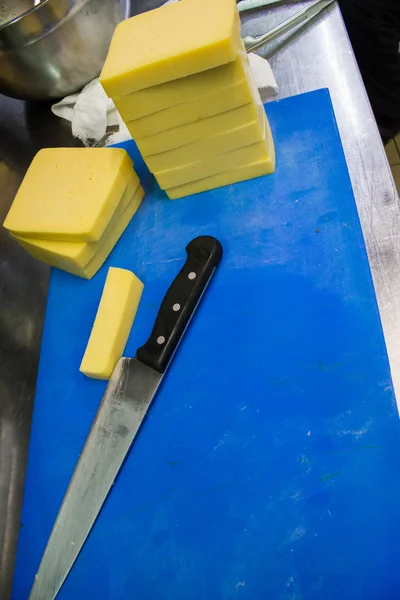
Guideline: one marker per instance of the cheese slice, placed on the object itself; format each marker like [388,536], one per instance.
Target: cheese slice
[65,255]
[115,315]
[173,41]
[107,245]
[218,101]
[102,254]
[150,100]
[212,166]
[70,194]
[246,171]
[247,134]
[192,132]
[249,171]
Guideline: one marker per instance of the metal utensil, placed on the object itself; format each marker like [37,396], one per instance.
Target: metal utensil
[299,18]
[244,5]
[54,48]
[129,393]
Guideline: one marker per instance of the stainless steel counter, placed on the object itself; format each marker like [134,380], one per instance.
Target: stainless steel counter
[318,56]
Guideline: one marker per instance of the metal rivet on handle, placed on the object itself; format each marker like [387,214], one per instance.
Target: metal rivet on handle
[160,340]
[192,275]
[176,307]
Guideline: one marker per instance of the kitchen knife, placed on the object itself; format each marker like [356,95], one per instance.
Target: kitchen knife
[127,398]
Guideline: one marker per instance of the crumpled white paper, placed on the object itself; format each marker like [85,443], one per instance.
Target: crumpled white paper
[93,116]
[263,76]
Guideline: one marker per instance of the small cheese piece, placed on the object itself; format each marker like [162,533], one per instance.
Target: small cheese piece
[173,41]
[246,171]
[192,132]
[150,100]
[70,194]
[252,132]
[108,243]
[215,102]
[65,255]
[212,166]
[115,315]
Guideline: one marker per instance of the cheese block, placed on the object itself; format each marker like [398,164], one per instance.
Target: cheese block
[247,134]
[115,315]
[170,42]
[150,100]
[249,170]
[218,101]
[102,254]
[65,255]
[192,132]
[108,243]
[213,165]
[70,194]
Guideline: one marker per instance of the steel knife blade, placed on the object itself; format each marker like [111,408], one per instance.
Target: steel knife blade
[131,389]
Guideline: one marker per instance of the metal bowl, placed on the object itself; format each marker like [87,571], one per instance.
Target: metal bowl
[55,48]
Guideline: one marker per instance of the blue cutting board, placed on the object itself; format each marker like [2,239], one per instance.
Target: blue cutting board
[269,465]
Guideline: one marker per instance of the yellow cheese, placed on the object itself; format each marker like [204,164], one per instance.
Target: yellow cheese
[249,171]
[77,254]
[252,132]
[192,132]
[97,261]
[115,315]
[212,166]
[70,194]
[246,171]
[173,41]
[150,100]
[218,101]
[107,245]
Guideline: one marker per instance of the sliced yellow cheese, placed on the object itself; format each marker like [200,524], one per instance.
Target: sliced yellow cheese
[115,315]
[250,171]
[218,101]
[252,132]
[246,171]
[173,41]
[70,194]
[150,100]
[212,166]
[192,132]
[66,255]
[108,243]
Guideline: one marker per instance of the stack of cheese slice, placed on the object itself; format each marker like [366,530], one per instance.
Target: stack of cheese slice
[73,205]
[180,78]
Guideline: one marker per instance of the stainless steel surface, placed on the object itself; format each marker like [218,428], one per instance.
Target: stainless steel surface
[128,395]
[11,9]
[55,48]
[318,56]
[299,18]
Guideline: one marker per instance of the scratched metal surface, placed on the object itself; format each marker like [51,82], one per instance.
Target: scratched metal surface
[319,56]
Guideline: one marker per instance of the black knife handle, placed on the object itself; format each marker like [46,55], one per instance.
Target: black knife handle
[180,302]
